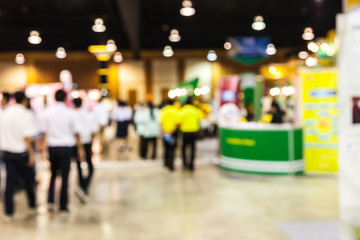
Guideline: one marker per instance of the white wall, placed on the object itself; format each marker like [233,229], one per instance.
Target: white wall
[164,75]
[13,77]
[132,77]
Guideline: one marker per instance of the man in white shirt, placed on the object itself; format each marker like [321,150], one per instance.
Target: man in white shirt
[16,131]
[61,130]
[89,128]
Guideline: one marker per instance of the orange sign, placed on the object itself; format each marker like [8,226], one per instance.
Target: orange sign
[351,5]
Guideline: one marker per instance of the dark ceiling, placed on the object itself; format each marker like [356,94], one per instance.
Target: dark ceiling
[145,24]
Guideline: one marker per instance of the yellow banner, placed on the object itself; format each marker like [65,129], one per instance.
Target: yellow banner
[320,119]
[351,4]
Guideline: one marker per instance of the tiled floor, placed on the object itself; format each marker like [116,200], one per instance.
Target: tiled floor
[144,201]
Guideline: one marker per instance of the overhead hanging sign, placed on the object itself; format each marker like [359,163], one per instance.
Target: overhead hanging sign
[350,5]
[248,50]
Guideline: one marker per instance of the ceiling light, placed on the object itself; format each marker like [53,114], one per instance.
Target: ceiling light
[324,47]
[272,69]
[99,25]
[75,94]
[287,91]
[311,62]
[34,37]
[308,34]
[211,56]
[110,46]
[20,59]
[275,91]
[197,91]
[258,23]
[312,46]
[172,94]
[60,53]
[227,46]
[174,36]
[118,57]
[168,52]
[303,55]
[187,10]
[270,50]
[205,90]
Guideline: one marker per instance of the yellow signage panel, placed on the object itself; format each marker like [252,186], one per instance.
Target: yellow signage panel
[320,119]
[351,4]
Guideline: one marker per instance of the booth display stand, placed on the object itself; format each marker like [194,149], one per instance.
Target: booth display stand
[262,148]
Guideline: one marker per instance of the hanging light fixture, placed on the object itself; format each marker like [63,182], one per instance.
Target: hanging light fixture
[34,37]
[308,34]
[314,47]
[303,55]
[211,56]
[20,59]
[168,52]
[60,53]
[118,57]
[311,62]
[110,46]
[99,25]
[258,23]
[174,36]
[270,50]
[227,45]
[187,10]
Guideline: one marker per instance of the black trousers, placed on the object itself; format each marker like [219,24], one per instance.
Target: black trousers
[60,158]
[189,139]
[142,147]
[169,152]
[84,182]
[16,167]
[153,141]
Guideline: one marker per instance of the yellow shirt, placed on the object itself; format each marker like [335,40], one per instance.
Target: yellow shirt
[190,118]
[169,118]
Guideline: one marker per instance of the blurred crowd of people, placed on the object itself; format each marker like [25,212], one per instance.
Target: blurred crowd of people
[66,129]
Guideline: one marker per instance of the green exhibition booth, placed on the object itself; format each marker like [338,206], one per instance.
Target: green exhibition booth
[262,148]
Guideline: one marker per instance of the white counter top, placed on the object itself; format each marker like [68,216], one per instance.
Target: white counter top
[259,126]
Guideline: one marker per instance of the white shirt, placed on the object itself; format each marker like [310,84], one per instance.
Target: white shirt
[121,114]
[16,123]
[101,114]
[60,124]
[89,124]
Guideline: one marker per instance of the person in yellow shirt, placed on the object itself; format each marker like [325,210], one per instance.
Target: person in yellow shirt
[169,119]
[189,126]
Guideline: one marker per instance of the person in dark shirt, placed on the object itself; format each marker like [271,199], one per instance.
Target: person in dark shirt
[277,113]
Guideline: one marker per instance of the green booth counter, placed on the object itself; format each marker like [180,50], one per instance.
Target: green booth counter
[261,148]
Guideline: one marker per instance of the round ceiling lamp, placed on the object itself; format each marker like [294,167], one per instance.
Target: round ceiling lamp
[34,37]
[168,52]
[110,46]
[20,59]
[118,58]
[60,53]
[99,25]
[227,46]
[258,23]
[271,50]
[174,36]
[308,34]
[314,47]
[303,55]
[211,56]
[187,10]
[311,62]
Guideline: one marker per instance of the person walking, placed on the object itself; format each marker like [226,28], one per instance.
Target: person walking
[169,119]
[140,127]
[61,131]
[149,120]
[189,126]
[89,128]
[122,114]
[16,130]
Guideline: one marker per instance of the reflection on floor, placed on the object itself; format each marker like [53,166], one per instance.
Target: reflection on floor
[144,201]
